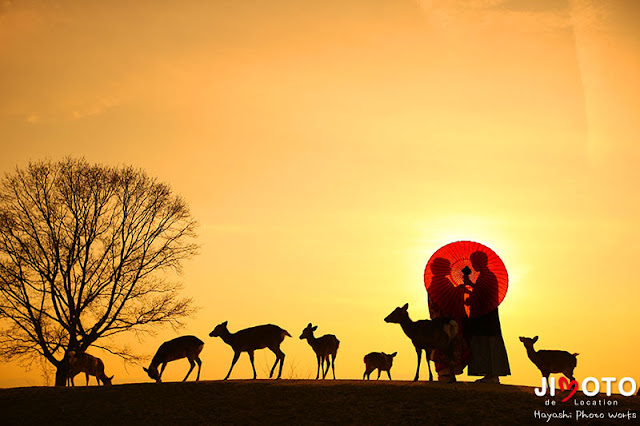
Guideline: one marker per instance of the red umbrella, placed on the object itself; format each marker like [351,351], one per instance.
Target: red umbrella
[466,279]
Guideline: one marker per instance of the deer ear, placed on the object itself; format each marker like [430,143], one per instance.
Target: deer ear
[535,339]
[309,325]
[394,354]
[405,307]
[314,328]
[224,324]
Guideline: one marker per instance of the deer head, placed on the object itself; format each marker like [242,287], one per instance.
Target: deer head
[528,342]
[152,371]
[398,315]
[219,330]
[308,331]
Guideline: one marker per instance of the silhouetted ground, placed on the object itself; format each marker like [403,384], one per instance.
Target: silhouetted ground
[295,402]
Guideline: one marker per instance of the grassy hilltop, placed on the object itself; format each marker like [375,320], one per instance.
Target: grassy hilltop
[292,402]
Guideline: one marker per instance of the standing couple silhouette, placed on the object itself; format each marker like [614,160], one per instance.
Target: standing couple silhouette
[474,305]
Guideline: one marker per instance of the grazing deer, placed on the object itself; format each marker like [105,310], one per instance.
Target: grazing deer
[550,361]
[248,340]
[325,347]
[427,335]
[181,347]
[379,360]
[80,362]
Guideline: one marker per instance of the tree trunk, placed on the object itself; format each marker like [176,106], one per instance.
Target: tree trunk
[62,371]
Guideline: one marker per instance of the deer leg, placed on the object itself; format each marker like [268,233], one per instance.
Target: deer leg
[193,364]
[279,357]
[333,366]
[252,365]
[368,371]
[164,365]
[419,353]
[545,376]
[86,375]
[281,363]
[275,350]
[427,354]
[389,374]
[569,374]
[325,360]
[274,367]
[328,359]
[318,369]
[379,371]
[452,365]
[453,372]
[199,366]
[236,355]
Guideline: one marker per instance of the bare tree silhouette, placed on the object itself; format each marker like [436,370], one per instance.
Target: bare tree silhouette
[82,251]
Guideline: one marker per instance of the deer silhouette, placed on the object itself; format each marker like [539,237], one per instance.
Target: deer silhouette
[250,339]
[80,362]
[427,335]
[550,361]
[181,347]
[325,347]
[379,360]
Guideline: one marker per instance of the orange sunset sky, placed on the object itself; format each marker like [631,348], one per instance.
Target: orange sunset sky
[328,148]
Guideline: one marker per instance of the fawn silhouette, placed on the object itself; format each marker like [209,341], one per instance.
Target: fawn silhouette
[379,360]
[325,347]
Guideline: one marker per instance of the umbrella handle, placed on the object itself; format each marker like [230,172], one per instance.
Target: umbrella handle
[466,281]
